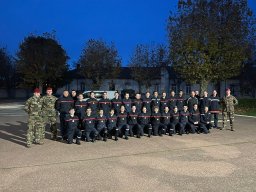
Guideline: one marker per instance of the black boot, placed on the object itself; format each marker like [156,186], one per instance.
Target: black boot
[78,142]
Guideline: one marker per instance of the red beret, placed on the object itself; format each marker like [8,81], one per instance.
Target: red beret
[49,89]
[36,90]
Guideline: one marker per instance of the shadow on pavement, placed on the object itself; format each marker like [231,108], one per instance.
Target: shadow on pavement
[16,133]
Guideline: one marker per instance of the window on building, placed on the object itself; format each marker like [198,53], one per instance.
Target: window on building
[112,86]
[127,85]
[68,86]
[188,89]
[157,87]
[82,86]
[174,88]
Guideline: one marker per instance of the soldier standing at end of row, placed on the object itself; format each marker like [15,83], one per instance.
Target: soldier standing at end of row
[228,109]
[33,107]
[49,112]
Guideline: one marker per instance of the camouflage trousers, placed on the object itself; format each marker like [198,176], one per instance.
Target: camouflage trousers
[228,116]
[52,120]
[35,130]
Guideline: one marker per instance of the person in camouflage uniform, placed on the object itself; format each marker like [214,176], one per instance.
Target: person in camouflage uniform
[49,113]
[228,103]
[33,107]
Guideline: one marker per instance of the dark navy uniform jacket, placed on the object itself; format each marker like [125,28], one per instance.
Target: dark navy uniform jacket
[64,104]
[194,116]
[204,102]
[206,117]
[166,118]
[80,107]
[93,104]
[155,118]
[132,118]
[190,102]
[172,102]
[89,122]
[138,104]
[116,103]
[214,104]
[144,118]
[111,121]
[101,122]
[184,117]
[72,122]
[155,101]
[164,102]
[104,104]
[175,117]
[121,119]
[146,102]
[127,104]
[180,101]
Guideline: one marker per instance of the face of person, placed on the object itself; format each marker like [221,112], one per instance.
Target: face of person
[185,108]
[101,112]
[126,96]
[37,94]
[112,112]
[105,95]
[181,93]
[137,96]
[80,97]
[122,109]
[144,110]
[72,112]
[228,92]
[214,92]
[147,94]
[49,92]
[175,109]
[65,93]
[206,109]
[164,94]
[205,94]
[193,93]
[166,109]
[89,111]
[133,108]
[92,95]
[116,95]
[195,107]
[73,93]
[155,94]
[156,109]
[172,93]
[197,92]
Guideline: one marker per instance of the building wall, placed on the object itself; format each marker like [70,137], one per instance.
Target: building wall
[165,82]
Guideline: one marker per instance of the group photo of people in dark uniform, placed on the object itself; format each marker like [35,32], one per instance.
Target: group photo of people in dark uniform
[144,114]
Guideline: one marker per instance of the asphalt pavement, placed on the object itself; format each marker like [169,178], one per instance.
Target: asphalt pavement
[220,161]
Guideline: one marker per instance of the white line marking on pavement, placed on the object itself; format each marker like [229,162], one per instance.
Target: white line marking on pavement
[245,116]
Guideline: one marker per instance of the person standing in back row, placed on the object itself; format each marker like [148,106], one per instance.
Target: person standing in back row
[63,105]
[215,108]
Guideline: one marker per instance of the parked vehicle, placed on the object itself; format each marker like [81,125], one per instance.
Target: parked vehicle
[98,94]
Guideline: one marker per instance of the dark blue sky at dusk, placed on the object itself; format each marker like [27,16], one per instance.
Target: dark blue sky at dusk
[126,23]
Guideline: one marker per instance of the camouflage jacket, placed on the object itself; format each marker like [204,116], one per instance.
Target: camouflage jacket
[48,105]
[228,103]
[33,106]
